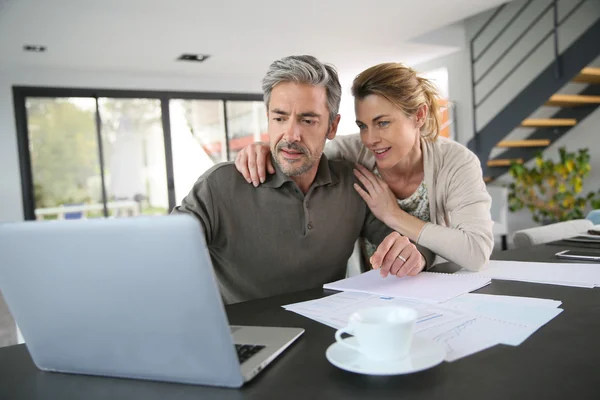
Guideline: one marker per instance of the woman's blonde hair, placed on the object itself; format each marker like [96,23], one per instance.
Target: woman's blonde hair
[401,86]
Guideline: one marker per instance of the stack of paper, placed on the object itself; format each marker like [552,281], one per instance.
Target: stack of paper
[525,314]
[566,274]
[464,325]
[428,287]
[336,309]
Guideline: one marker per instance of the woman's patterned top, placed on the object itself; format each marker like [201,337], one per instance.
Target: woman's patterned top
[417,205]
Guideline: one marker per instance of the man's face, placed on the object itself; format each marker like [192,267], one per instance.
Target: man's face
[298,126]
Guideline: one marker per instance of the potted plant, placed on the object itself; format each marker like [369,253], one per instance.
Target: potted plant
[552,190]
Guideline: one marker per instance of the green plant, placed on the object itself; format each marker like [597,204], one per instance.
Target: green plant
[552,190]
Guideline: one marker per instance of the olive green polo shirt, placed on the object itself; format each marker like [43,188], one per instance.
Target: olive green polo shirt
[274,239]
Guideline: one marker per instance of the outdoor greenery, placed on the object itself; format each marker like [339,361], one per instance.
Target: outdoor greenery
[553,190]
[64,148]
[63,151]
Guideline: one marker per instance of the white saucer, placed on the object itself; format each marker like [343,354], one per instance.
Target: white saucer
[424,353]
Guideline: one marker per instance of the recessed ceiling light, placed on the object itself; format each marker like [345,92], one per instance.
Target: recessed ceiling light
[193,57]
[34,48]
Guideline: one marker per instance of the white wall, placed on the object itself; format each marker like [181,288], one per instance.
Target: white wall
[10,184]
[458,65]
[347,124]
[459,89]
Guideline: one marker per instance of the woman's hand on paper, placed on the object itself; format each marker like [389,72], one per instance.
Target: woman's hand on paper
[253,162]
[396,255]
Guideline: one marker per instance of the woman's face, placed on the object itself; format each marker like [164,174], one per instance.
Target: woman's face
[386,130]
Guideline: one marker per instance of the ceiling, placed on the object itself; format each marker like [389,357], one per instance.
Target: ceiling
[242,37]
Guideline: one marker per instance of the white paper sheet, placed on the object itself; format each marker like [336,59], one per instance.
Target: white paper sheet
[469,335]
[526,315]
[512,300]
[336,309]
[465,325]
[427,286]
[568,274]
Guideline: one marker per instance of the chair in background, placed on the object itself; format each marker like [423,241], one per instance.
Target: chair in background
[551,233]
[594,216]
[499,211]
[356,262]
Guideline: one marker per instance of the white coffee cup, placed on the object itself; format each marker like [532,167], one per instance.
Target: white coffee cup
[382,333]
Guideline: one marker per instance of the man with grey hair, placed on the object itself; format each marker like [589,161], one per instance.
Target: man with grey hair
[297,230]
[302,81]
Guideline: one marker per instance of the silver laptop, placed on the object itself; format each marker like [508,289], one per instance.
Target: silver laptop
[132,298]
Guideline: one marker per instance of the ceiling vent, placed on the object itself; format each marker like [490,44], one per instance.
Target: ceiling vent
[193,57]
[34,48]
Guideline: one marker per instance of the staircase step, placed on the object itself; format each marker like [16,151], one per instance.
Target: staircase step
[589,75]
[488,179]
[548,122]
[572,100]
[524,143]
[503,162]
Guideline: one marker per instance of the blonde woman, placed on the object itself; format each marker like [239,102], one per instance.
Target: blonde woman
[425,187]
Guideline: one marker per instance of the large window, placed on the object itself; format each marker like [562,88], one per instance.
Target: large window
[64,157]
[106,153]
[247,123]
[133,144]
[199,140]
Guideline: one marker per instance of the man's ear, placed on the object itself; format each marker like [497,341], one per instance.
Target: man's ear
[334,126]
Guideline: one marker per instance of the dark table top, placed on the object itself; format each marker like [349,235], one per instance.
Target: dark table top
[559,361]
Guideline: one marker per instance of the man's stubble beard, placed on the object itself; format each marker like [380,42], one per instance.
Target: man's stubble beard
[309,161]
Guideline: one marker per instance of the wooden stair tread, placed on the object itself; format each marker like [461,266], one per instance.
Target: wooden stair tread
[548,122]
[588,75]
[524,143]
[503,162]
[572,100]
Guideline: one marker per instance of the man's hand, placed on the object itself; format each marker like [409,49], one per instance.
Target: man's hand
[396,255]
[253,161]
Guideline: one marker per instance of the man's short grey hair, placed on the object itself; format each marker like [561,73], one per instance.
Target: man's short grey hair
[309,70]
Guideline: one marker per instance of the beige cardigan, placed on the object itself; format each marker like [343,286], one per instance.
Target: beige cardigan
[459,204]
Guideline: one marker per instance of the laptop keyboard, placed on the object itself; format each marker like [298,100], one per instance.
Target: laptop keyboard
[245,351]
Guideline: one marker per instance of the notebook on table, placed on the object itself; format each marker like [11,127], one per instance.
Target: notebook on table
[430,287]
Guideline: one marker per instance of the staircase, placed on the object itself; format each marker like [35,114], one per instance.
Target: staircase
[492,142]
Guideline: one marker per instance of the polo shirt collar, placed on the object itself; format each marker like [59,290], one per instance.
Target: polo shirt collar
[323,177]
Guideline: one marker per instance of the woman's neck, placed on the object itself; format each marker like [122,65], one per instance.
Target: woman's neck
[409,166]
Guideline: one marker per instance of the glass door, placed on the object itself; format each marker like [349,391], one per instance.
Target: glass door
[198,140]
[64,154]
[133,150]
